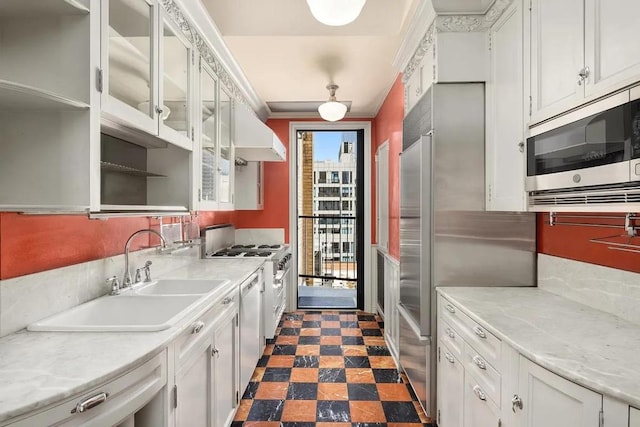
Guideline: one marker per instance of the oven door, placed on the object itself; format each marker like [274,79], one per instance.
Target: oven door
[594,150]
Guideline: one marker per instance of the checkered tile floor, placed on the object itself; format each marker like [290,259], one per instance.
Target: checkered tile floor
[328,369]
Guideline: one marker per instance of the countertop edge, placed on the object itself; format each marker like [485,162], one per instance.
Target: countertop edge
[541,360]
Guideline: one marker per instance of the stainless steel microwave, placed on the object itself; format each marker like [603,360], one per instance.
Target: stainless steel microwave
[598,149]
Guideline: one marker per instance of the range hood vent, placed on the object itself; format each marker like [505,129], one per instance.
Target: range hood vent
[255,141]
[608,197]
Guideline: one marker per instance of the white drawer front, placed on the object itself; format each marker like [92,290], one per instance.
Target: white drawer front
[487,344]
[479,410]
[485,375]
[451,337]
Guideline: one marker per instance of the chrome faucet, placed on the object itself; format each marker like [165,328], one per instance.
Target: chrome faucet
[127,281]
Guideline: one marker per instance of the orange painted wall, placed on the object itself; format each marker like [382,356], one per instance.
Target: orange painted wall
[34,243]
[276,190]
[573,243]
[388,125]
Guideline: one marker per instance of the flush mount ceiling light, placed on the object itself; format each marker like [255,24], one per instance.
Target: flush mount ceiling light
[332,110]
[335,12]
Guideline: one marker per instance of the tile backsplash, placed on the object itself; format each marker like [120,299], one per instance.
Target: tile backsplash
[26,299]
[604,288]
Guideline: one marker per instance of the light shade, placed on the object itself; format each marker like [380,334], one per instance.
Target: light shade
[332,111]
[335,12]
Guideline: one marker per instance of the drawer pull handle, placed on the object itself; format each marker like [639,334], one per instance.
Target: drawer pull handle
[215,352]
[90,402]
[478,391]
[479,362]
[197,327]
[479,332]
[450,333]
[450,308]
[227,300]
[449,357]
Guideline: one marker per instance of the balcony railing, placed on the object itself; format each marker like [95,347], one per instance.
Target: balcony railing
[328,250]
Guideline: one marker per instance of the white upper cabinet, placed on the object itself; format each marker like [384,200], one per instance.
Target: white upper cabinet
[580,50]
[557,56]
[505,158]
[612,52]
[146,71]
[48,129]
[226,159]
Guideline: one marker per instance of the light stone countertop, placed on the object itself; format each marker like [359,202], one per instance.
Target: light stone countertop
[41,368]
[590,347]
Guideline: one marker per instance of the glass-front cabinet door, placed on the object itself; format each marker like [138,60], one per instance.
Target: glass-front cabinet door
[129,92]
[208,195]
[176,65]
[227,159]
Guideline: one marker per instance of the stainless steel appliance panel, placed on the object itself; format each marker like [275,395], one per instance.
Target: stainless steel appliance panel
[415,232]
[458,147]
[415,352]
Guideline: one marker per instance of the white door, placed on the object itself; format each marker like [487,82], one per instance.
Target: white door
[225,369]
[450,389]
[479,410]
[193,382]
[505,156]
[612,52]
[549,400]
[557,56]
[634,417]
[207,152]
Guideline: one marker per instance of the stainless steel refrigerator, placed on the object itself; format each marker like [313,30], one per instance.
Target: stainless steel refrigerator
[446,236]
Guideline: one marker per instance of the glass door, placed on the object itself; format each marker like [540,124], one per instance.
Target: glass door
[226,160]
[208,140]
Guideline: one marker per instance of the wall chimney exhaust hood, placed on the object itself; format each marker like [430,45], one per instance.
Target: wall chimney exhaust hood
[255,141]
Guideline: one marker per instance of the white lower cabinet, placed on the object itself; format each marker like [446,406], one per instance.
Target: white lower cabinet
[131,399]
[479,410]
[450,388]
[549,400]
[205,389]
[225,370]
[634,417]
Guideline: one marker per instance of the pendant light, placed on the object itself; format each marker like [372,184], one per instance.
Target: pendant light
[332,110]
[335,12]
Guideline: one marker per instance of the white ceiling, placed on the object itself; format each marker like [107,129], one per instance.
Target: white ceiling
[288,56]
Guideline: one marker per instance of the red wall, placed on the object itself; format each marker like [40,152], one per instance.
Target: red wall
[573,243]
[33,243]
[388,125]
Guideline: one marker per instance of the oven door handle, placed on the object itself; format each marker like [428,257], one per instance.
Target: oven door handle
[279,276]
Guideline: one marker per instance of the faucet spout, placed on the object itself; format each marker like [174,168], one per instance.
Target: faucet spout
[127,281]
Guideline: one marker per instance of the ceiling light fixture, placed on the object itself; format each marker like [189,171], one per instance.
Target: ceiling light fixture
[335,12]
[332,110]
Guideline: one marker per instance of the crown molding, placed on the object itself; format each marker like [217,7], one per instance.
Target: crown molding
[423,17]
[453,24]
[196,24]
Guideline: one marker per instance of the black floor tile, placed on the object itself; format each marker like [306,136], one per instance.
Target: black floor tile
[346,340]
[263,361]
[400,412]
[378,350]
[349,324]
[387,376]
[363,391]
[250,392]
[311,323]
[332,375]
[356,362]
[371,332]
[336,411]
[279,350]
[290,331]
[331,317]
[366,318]
[302,391]
[266,410]
[308,340]
[331,350]
[276,375]
[306,362]
[331,332]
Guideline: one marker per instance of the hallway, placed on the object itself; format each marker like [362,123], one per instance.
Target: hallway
[328,369]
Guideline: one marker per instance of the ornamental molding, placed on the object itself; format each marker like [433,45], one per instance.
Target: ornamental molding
[174,12]
[453,24]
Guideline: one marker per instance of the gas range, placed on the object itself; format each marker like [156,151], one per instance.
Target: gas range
[267,251]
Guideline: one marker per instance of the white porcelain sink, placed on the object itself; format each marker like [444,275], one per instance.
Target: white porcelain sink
[179,287]
[121,313]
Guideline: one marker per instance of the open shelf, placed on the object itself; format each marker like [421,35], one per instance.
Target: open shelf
[113,167]
[22,8]
[141,208]
[16,96]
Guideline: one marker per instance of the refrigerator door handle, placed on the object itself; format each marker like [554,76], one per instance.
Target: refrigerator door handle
[416,330]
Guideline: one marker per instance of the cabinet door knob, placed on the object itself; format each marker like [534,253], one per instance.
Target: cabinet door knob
[159,109]
[478,391]
[227,300]
[197,327]
[583,75]
[516,402]
[451,334]
[479,332]
[521,146]
[449,357]
[215,352]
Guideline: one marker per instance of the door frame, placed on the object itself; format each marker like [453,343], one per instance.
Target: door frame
[294,128]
